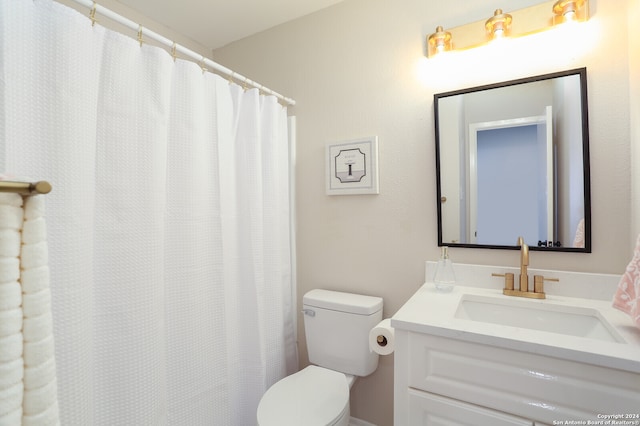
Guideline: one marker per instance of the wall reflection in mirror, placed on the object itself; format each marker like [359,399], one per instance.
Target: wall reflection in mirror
[512,159]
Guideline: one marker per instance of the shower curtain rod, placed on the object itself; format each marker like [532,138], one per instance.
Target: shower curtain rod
[96,8]
[25,188]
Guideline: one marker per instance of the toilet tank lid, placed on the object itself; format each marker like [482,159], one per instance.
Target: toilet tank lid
[343,302]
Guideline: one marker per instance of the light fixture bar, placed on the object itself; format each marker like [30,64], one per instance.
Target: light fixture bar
[513,24]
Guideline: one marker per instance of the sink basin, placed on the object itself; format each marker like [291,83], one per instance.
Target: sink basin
[552,318]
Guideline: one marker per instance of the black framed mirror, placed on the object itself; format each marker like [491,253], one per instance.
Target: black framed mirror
[512,159]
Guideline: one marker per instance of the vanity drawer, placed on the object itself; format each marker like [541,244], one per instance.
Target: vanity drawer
[432,410]
[525,384]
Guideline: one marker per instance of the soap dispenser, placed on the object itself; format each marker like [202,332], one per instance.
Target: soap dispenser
[444,278]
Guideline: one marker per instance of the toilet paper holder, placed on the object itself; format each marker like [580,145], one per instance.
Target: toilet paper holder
[381,338]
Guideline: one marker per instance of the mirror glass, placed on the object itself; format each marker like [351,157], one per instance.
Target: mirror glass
[512,159]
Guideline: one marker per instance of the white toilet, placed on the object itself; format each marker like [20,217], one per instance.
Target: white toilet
[337,327]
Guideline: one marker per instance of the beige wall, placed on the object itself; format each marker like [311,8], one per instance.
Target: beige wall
[140,18]
[358,69]
[634,90]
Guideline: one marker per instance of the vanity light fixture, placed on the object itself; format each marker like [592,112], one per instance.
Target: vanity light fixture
[514,24]
[499,25]
[568,10]
[439,42]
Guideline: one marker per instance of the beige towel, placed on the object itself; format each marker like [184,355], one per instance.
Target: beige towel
[28,385]
[11,362]
[40,404]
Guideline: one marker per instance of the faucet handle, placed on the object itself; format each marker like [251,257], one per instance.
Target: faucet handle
[508,280]
[538,283]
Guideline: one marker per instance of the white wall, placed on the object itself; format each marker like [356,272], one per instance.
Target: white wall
[358,69]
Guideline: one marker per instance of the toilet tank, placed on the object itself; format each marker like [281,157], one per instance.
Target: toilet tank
[337,328]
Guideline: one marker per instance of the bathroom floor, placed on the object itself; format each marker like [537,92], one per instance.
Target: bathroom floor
[358,422]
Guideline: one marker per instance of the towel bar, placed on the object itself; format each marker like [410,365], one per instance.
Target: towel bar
[25,188]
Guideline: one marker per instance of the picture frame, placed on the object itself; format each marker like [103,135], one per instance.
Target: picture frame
[352,167]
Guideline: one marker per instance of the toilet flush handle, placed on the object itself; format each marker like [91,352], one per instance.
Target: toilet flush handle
[309,312]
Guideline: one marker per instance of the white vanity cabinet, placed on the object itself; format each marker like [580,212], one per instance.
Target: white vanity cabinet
[443,380]
[474,356]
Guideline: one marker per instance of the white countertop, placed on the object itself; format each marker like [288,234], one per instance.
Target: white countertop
[431,312]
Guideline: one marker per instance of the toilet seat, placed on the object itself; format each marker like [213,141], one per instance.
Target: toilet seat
[315,396]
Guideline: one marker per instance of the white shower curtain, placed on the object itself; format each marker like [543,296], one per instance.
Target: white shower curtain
[168,223]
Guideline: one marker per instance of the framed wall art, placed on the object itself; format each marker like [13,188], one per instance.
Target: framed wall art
[352,167]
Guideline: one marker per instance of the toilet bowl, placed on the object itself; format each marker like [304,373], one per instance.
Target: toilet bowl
[337,329]
[314,396]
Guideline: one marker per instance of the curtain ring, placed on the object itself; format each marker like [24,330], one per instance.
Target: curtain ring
[173,51]
[92,14]
[202,65]
[140,35]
